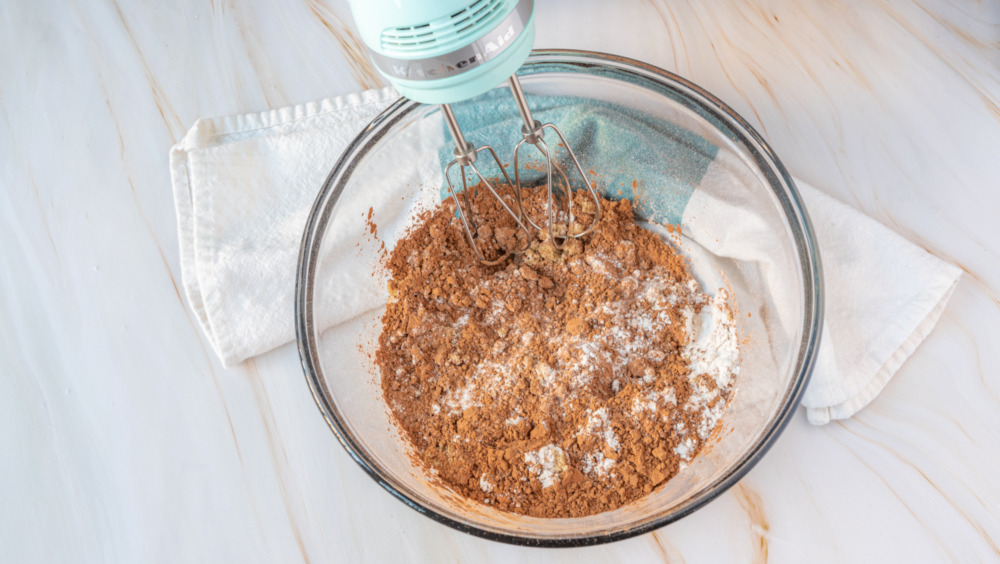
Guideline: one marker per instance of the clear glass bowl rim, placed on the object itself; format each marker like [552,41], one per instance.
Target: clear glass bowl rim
[781,184]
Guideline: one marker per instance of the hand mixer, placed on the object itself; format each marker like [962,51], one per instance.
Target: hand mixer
[446,51]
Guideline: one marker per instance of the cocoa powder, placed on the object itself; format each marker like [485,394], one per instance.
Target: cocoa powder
[557,383]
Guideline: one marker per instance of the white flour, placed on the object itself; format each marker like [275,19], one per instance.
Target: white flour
[715,352]
[548,463]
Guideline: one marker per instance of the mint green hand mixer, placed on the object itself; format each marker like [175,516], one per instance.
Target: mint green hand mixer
[447,51]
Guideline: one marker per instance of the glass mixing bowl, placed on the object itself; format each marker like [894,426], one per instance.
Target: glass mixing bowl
[742,222]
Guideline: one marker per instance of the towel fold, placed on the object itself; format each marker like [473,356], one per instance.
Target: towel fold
[243,187]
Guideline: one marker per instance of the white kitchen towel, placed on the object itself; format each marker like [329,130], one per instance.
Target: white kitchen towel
[243,187]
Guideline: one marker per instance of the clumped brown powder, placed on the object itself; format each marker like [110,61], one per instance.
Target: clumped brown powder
[557,384]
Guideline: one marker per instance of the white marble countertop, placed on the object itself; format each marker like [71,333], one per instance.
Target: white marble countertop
[124,439]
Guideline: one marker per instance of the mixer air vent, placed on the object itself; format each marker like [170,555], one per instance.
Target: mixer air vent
[455,30]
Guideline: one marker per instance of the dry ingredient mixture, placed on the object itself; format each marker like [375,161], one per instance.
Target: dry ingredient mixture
[562,383]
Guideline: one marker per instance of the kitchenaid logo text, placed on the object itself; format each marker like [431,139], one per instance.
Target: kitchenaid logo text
[482,52]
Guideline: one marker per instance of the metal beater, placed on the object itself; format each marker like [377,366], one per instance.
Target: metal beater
[533,133]
[445,51]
